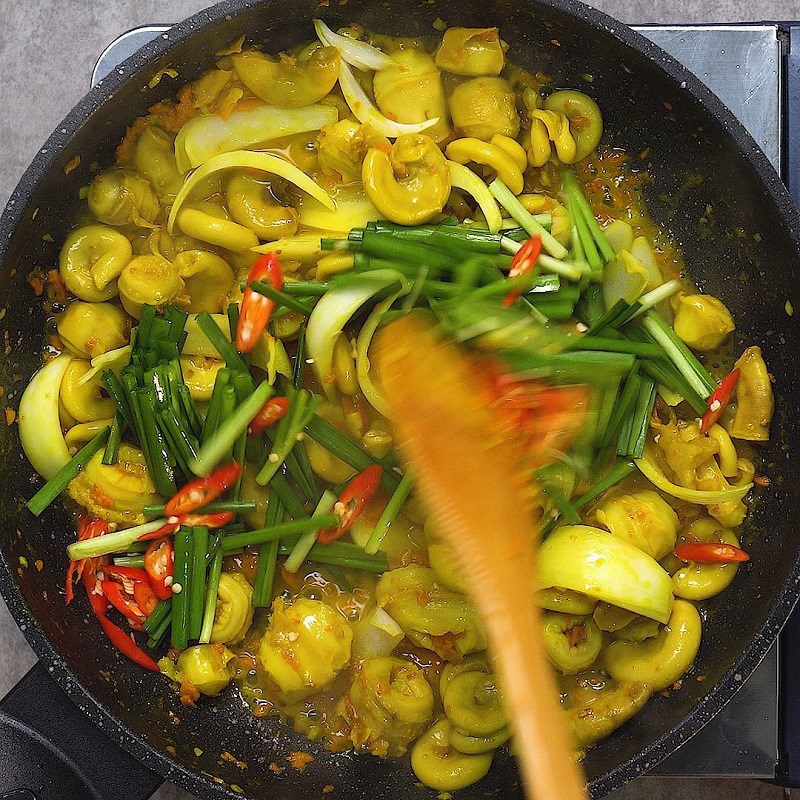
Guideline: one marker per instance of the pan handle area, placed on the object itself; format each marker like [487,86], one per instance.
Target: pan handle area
[51,751]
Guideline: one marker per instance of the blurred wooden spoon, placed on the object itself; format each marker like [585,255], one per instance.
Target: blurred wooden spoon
[468,475]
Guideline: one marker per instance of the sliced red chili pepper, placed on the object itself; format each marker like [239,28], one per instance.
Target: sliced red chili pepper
[123,573]
[256,309]
[217,520]
[201,491]
[711,553]
[270,413]
[125,644]
[718,399]
[97,600]
[89,527]
[351,502]
[122,601]
[159,560]
[145,597]
[524,262]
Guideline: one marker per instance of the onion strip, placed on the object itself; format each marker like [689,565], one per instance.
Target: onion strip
[333,311]
[365,111]
[115,360]
[39,424]
[373,394]
[649,468]
[247,159]
[464,178]
[206,136]
[360,54]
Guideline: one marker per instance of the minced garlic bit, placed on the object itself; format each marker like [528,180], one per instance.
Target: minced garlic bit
[176,588]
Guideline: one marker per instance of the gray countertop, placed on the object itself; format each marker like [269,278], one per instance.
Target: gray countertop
[47,50]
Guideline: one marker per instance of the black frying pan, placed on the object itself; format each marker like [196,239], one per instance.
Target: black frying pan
[697,156]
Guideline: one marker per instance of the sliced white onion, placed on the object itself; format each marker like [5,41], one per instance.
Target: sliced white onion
[115,360]
[372,392]
[464,178]
[39,425]
[376,635]
[333,311]
[360,54]
[365,112]
[248,159]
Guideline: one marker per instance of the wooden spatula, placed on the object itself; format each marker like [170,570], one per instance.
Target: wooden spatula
[468,476]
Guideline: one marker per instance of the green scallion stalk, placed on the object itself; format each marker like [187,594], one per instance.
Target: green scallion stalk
[302,407]
[287,530]
[305,288]
[210,603]
[622,410]
[300,358]
[581,204]
[641,418]
[182,569]
[58,483]
[653,298]
[159,633]
[611,319]
[281,298]
[600,343]
[391,511]
[214,449]
[220,342]
[386,245]
[584,235]
[160,613]
[666,375]
[506,198]
[212,420]
[161,458]
[306,541]
[571,270]
[239,506]
[345,449]
[190,410]
[605,407]
[116,542]
[679,354]
[116,391]
[562,503]
[279,486]
[303,473]
[111,452]
[129,561]
[343,554]
[617,474]
[197,581]
[243,386]
[267,558]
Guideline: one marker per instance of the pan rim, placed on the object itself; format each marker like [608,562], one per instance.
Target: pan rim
[130,71]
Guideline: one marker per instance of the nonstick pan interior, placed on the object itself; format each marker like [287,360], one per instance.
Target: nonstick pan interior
[721,201]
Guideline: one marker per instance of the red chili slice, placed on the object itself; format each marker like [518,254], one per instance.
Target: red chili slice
[89,527]
[711,553]
[122,601]
[201,491]
[718,399]
[273,410]
[159,560]
[256,309]
[351,502]
[524,262]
